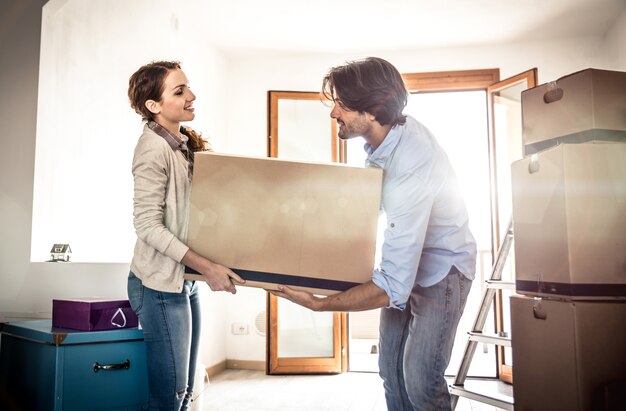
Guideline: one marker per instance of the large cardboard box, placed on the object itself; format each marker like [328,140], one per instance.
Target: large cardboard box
[569,215]
[307,225]
[584,106]
[568,355]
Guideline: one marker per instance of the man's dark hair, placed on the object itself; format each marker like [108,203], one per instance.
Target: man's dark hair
[371,85]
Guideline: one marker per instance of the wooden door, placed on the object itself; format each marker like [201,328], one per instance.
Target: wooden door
[300,341]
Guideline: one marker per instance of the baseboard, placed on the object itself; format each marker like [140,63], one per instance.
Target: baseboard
[216,369]
[245,365]
[235,365]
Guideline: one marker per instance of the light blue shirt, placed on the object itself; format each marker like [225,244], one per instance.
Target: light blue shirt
[427,226]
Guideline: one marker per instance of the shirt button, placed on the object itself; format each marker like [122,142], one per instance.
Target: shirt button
[392,225]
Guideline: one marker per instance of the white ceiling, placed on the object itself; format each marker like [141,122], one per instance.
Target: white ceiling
[361,25]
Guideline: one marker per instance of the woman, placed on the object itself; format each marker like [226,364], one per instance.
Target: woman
[168,306]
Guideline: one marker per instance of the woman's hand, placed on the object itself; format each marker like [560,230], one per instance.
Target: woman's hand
[218,277]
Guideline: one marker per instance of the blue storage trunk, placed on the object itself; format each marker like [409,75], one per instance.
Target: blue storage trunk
[46,368]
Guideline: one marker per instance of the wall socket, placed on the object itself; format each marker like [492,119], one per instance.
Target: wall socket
[240,328]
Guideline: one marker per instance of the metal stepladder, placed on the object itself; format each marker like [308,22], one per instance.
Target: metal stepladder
[476,335]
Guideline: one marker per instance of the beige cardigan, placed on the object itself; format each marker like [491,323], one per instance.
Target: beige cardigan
[161,212]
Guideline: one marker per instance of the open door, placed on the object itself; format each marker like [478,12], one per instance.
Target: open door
[505,147]
[300,341]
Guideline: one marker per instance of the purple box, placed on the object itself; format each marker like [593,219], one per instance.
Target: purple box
[92,314]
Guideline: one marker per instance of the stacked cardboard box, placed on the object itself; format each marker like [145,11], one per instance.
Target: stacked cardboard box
[569,213]
[568,354]
[569,199]
[584,106]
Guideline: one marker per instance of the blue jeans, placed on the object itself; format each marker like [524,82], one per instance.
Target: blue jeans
[416,344]
[171,329]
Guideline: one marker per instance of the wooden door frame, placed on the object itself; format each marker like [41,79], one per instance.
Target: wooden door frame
[459,80]
[504,371]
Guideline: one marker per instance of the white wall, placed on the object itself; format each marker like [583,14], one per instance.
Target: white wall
[615,43]
[231,109]
[86,130]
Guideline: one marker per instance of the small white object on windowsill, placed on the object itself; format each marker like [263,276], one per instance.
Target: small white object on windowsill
[60,253]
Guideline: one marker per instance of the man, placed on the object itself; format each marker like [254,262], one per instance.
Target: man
[428,255]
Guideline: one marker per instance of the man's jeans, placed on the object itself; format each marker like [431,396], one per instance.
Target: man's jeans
[171,329]
[416,344]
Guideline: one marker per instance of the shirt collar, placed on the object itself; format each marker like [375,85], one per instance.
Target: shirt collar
[177,143]
[378,157]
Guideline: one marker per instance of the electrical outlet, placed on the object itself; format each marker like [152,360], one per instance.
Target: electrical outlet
[240,328]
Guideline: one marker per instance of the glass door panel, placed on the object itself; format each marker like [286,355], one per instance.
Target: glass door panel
[301,125]
[304,333]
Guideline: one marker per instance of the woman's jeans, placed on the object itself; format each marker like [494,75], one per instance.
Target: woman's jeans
[416,344]
[171,329]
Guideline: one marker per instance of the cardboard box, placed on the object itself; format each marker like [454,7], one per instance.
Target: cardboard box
[569,215]
[584,106]
[93,314]
[307,225]
[568,355]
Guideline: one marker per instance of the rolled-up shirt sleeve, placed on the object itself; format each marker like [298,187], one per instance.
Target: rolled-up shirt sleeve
[150,178]
[407,203]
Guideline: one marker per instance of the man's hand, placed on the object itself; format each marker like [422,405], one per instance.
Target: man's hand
[366,296]
[302,298]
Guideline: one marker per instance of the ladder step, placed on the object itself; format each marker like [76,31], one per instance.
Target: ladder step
[501,285]
[490,338]
[497,400]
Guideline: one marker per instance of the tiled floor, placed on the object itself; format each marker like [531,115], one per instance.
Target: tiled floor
[245,390]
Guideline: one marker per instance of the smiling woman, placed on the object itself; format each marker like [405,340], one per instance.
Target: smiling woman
[168,306]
